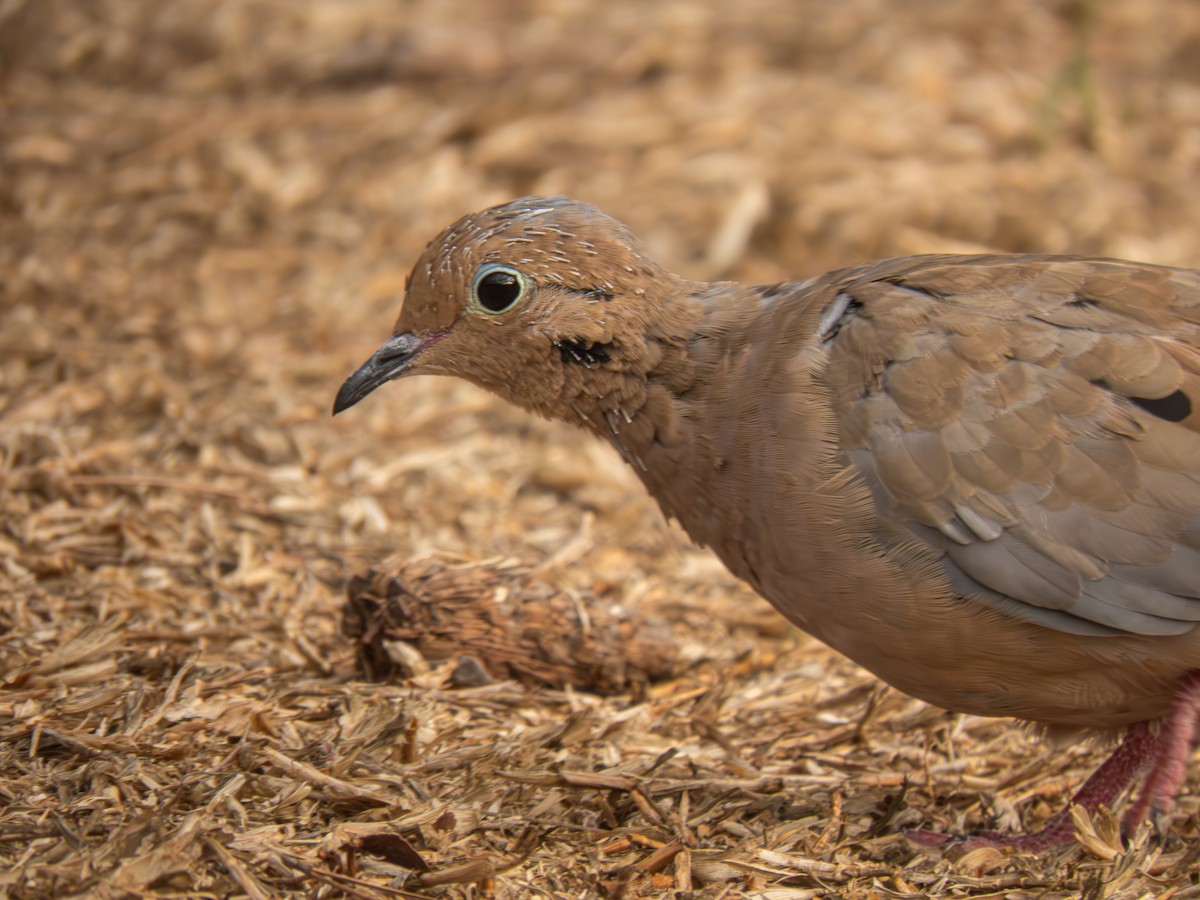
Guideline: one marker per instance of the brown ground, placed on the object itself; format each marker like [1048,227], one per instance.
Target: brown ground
[207,209]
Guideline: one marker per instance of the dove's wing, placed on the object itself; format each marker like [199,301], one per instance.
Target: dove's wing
[1035,420]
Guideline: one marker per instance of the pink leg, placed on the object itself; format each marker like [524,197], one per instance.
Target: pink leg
[1170,767]
[1132,758]
[1162,752]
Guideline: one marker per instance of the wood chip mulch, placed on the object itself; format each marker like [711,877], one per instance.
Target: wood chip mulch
[434,648]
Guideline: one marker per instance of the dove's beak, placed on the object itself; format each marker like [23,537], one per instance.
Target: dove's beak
[391,361]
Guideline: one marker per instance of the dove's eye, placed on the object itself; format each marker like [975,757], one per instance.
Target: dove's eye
[497,288]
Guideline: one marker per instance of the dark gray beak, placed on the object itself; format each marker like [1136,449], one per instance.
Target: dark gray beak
[391,361]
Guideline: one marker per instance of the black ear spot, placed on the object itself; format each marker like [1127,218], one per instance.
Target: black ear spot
[497,288]
[583,353]
[1174,407]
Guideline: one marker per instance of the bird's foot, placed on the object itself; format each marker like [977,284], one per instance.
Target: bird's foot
[1058,832]
[1168,762]
[1140,750]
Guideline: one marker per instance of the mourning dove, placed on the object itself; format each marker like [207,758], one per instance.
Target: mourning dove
[976,476]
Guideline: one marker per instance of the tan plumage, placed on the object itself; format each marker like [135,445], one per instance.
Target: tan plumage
[978,477]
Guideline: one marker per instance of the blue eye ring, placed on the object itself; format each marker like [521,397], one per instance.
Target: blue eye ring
[497,288]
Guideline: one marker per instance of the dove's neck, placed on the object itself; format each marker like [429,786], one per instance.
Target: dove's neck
[677,408]
[622,389]
[633,397]
[733,433]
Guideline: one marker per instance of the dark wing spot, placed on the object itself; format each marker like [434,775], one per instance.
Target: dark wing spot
[905,282]
[1174,407]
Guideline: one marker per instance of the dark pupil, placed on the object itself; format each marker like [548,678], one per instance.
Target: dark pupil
[498,290]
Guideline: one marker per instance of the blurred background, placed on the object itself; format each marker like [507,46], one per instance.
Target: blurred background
[207,212]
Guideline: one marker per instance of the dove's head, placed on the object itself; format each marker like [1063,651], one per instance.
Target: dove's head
[547,302]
